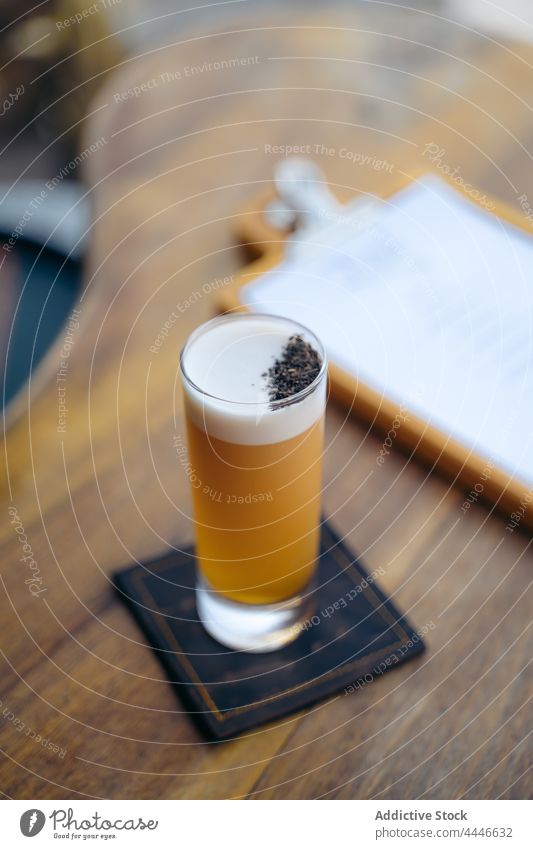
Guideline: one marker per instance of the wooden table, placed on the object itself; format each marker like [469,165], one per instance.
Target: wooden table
[180,159]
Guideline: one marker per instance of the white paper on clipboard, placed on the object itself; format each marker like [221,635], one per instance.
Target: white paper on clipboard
[430,302]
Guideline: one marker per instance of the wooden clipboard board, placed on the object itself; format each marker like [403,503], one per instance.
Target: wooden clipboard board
[265,246]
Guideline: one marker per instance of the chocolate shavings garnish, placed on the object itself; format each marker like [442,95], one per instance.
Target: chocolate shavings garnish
[295,370]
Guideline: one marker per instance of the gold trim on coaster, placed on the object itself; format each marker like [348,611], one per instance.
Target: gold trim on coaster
[221,715]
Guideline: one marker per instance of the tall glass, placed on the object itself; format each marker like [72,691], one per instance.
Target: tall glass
[255,467]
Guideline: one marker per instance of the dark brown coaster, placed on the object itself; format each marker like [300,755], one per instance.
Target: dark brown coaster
[355,633]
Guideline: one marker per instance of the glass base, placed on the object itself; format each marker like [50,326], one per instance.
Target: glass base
[252,627]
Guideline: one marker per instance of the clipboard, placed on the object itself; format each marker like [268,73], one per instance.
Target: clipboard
[265,246]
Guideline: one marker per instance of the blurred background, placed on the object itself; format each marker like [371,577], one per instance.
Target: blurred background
[55,56]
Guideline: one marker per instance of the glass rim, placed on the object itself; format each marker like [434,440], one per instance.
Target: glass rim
[271,405]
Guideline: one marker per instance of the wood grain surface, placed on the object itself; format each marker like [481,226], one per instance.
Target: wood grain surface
[181,158]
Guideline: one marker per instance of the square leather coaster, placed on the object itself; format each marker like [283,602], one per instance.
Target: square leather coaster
[355,631]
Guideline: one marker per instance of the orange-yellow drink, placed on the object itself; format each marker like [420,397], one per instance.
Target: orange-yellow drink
[255,389]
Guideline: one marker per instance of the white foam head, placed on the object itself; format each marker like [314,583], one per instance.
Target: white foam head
[223,366]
